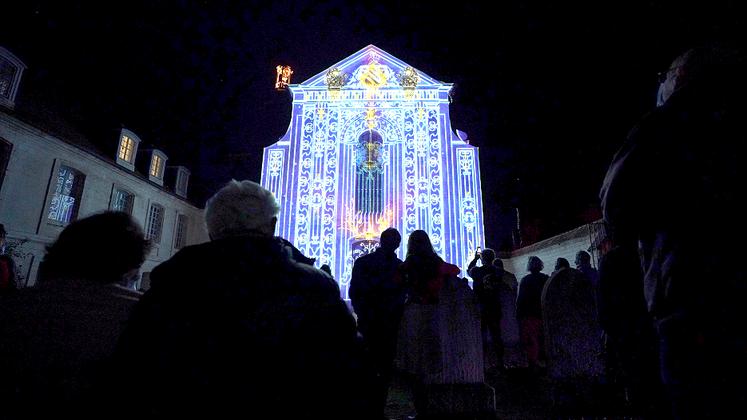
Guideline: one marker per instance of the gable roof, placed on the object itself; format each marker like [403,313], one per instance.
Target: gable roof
[365,56]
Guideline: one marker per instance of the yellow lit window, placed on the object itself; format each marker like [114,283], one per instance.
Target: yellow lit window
[126,147]
[156,164]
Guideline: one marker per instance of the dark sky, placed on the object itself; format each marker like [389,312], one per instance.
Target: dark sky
[547,91]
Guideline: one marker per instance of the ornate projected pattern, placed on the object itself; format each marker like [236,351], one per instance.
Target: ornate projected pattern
[426,177]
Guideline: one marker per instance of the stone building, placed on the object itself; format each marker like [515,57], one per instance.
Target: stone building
[51,175]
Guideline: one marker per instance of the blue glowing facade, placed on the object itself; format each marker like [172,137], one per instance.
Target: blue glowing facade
[369,146]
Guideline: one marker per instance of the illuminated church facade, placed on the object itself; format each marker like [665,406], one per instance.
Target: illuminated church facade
[370,146]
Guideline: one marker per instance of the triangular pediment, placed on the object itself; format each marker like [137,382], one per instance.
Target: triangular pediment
[387,66]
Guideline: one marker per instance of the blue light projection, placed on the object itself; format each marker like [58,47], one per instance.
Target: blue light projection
[370,146]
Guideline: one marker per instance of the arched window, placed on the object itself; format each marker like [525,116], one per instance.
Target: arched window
[369,191]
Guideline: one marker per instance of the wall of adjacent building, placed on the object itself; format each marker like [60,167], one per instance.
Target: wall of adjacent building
[31,174]
[565,245]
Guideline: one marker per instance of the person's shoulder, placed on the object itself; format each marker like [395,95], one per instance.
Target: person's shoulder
[366,259]
[309,279]
[450,268]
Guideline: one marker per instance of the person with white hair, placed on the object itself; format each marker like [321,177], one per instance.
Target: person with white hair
[239,324]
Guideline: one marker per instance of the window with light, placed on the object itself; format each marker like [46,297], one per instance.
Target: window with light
[369,193]
[68,188]
[126,149]
[156,166]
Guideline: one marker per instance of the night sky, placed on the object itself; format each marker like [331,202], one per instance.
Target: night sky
[548,92]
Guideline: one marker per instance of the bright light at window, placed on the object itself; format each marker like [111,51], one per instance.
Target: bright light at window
[156,166]
[126,149]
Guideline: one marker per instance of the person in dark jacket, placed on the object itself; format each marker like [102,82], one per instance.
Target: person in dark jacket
[676,185]
[378,301]
[487,298]
[629,340]
[238,327]
[529,312]
[58,337]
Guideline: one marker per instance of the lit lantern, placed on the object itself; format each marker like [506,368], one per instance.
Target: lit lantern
[283,77]
[408,79]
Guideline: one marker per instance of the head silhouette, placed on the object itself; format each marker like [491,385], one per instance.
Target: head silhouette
[419,244]
[487,256]
[390,239]
[711,64]
[241,208]
[101,248]
[326,269]
[535,264]
[583,259]
[562,263]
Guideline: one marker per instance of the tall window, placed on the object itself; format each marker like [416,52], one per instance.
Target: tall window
[122,200]
[126,149]
[156,166]
[155,223]
[66,197]
[369,194]
[180,238]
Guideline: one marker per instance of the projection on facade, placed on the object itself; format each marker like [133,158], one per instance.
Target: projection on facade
[370,146]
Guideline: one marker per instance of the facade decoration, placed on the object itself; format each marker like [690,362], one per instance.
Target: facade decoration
[370,146]
[283,78]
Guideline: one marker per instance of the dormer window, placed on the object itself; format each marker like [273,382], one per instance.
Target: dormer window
[128,143]
[126,147]
[11,69]
[157,166]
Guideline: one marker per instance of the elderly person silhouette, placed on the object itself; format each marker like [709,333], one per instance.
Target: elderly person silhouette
[676,187]
[238,324]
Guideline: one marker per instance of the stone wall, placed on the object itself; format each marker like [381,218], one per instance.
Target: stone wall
[565,245]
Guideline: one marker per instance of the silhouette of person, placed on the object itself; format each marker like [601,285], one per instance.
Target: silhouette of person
[237,325]
[572,338]
[505,286]
[326,268]
[676,185]
[529,312]
[439,341]
[485,278]
[7,266]
[58,336]
[378,301]
[629,341]
[561,263]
